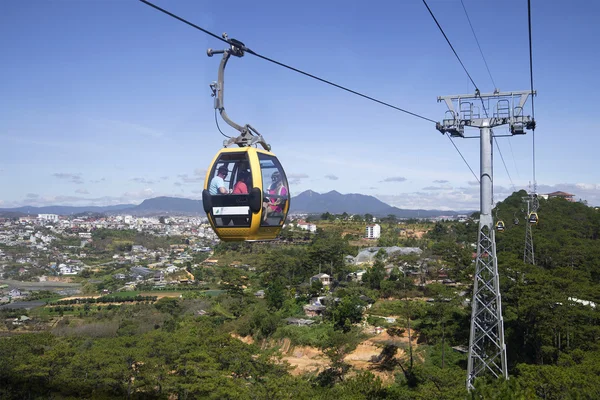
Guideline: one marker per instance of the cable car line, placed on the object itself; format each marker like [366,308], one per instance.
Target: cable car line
[495,88]
[184,21]
[505,168]
[532,96]
[450,44]
[513,157]
[453,144]
[249,51]
[472,81]
[480,51]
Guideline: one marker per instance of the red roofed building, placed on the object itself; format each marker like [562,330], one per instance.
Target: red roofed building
[563,195]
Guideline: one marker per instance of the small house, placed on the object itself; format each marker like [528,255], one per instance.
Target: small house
[324,278]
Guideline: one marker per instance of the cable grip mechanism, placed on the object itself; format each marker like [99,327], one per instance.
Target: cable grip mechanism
[248,135]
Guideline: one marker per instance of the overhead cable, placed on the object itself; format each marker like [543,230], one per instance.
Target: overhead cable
[310,75]
[450,44]
[472,81]
[532,96]
[290,67]
[461,156]
[502,158]
[480,51]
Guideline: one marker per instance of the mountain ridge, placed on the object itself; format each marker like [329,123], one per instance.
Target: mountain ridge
[307,202]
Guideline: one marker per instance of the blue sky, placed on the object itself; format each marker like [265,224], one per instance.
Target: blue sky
[107,102]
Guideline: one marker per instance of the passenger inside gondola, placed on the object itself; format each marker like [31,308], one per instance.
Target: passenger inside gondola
[241,186]
[217,183]
[274,204]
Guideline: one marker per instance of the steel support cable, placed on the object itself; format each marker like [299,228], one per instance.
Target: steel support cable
[463,158]
[450,44]
[514,160]
[311,76]
[482,103]
[247,50]
[532,96]
[476,40]
[502,158]
[472,81]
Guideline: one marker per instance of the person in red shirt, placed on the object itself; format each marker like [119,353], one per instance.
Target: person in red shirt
[241,186]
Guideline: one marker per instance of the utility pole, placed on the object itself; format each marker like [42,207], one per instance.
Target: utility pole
[487,350]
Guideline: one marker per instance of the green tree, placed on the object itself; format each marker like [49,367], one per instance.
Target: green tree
[275,295]
[348,311]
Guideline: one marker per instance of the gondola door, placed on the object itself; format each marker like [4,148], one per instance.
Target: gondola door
[229,200]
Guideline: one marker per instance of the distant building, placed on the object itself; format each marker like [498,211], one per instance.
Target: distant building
[48,217]
[306,226]
[563,195]
[373,231]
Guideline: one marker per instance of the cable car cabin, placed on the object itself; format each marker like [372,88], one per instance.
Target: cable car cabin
[500,226]
[533,218]
[246,195]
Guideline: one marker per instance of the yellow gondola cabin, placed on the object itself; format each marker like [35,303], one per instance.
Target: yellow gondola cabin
[500,226]
[246,194]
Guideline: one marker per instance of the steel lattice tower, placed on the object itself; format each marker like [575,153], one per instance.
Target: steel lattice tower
[532,206]
[487,350]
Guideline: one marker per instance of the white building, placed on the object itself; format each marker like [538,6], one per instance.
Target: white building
[307,227]
[48,217]
[373,231]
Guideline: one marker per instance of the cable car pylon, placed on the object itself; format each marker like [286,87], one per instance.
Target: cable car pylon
[531,219]
[487,349]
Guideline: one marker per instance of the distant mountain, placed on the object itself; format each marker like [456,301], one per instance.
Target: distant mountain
[309,202]
[66,210]
[168,205]
[336,203]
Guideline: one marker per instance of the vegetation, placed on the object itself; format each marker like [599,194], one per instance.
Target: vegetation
[187,346]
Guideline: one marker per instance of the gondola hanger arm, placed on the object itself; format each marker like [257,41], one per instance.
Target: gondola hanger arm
[248,135]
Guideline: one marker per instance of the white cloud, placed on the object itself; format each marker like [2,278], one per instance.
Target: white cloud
[440,181]
[73,178]
[331,177]
[82,191]
[143,180]
[395,179]
[196,178]
[295,179]
[436,188]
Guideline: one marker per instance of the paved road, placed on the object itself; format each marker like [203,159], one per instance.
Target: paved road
[39,285]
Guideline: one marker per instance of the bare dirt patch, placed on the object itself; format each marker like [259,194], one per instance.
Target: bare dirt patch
[307,359]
